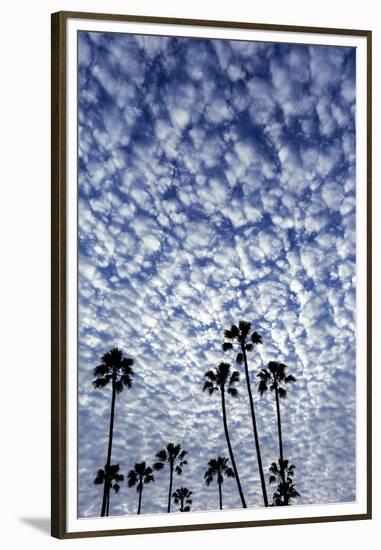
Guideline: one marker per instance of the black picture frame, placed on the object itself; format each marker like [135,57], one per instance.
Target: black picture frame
[59,265]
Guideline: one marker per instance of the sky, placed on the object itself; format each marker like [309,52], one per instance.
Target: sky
[216,183]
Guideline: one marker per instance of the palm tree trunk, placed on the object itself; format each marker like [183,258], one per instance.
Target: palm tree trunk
[170,487]
[255,431]
[140,499]
[182,505]
[108,504]
[230,448]
[220,493]
[279,425]
[280,443]
[106,488]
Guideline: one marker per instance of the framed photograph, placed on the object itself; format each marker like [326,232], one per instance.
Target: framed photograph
[211,294]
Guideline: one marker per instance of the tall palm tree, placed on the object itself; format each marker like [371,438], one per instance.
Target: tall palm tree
[242,337]
[182,496]
[172,456]
[113,478]
[218,467]
[140,475]
[283,475]
[115,369]
[223,379]
[275,377]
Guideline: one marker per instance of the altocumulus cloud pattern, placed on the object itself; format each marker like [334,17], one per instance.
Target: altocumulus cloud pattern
[216,183]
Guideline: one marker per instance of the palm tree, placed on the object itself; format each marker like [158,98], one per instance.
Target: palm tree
[113,477]
[221,379]
[245,340]
[115,368]
[218,467]
[275,377]
[182,496]
[283,475]
[140,475]
[173,456]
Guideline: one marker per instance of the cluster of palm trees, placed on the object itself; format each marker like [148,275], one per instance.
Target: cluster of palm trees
[242,340]
[116,370]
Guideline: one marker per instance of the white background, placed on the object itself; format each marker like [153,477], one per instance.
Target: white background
[25,271]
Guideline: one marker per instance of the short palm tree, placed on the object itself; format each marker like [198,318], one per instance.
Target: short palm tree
[115,369]
[283,475]
[172,456]
[114,479]
[140,475]
[245,340]
[218,467]
[223,379]
[274,378]
[182,496]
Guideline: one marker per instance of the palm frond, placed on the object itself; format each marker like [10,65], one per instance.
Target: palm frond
[101,370]
[239,357]
[273,366]
[126,364]
[234,378]
[282,393]
[227,345]
[256,338]
[233,392]
[132,478]
[126,380]
[208,386]
[112,357]
[140,467]
[208,477]
[289,378]
[100,383]
[162,455]
[244,328]
[173,450]
[262,387]
[148,478]
[228,333]
[98,481]
[264,374]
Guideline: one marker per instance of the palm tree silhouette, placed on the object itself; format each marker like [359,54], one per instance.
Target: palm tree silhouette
[218,467]
[245,340]
[115,368]
[283,475]
[274,378]
[140,475]
[182,496]
[173,456]
[221,379]
[113,479]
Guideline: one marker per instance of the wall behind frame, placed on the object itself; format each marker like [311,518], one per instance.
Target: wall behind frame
[25,269]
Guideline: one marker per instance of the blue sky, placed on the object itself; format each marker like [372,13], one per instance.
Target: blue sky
[216,183]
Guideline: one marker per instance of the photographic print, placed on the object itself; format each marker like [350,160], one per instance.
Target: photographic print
[215,256]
